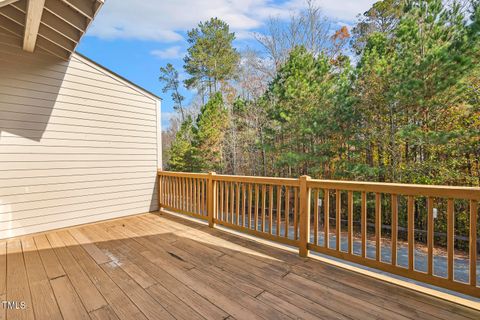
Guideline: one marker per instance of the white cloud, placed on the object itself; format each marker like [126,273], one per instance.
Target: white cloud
[346,10]
[168,53]
[164,20]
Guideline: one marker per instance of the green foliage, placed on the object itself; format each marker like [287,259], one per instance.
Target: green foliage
[301,102]
[169,76]
[407,111]
[209,133]
[198,146]
[181,152]
[211,57]
[412,83]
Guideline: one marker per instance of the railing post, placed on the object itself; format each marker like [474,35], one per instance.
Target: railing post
[211,195]
[304,216]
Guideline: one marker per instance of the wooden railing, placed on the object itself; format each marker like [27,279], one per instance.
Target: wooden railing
[342,219]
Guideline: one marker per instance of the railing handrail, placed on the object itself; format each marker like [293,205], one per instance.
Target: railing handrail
[452,192]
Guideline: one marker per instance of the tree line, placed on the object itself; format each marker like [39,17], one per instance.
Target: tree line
[395,98]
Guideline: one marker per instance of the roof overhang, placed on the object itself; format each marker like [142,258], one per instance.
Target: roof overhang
[55,26]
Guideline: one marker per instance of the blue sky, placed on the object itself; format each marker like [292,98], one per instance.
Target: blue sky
[135,38]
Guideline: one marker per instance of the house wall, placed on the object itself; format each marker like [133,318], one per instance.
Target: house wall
[77,143]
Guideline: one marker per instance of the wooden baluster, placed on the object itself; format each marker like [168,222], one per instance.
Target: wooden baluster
[450,238]
[473,242]
[270,209]
[232,202]
[164,191]
[378,226]
[226,201]
[363,223]
[201,196]
[350,222]
[411,232]
[338,219]
[179,190]
[295,214]
[221,193]
[177,193]
[430,234]
[394,228]
[255,226]
[192,195]
[187,194]
[305,198]
[197,196]
[227,196]
[287,211]
[182,193]
[244,206]
[204,190]
[237,211]
[250,204]
[315,216]
[174,183]
[172,188]
[188,202]
[279,208]
[170,191]
[160,188]
[326,218]
[264,200]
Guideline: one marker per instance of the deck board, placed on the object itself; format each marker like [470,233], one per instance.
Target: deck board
[157,266]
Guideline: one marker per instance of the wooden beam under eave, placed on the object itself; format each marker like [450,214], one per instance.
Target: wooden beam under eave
[10,26]
[86,8]
[13,14]
[32,23]
[4,3]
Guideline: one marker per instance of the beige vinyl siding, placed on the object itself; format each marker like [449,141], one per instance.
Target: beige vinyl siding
[77,143]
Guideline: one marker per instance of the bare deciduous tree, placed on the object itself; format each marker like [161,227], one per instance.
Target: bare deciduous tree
[308,28]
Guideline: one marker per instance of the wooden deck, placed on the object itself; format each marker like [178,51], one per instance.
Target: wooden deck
[163,267]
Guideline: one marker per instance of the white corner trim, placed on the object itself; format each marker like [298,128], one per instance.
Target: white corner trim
[159,134]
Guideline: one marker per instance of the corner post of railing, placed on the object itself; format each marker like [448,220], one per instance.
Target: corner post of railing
[211,195]
[304,223]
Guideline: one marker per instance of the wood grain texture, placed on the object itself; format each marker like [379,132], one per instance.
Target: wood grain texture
[165,267]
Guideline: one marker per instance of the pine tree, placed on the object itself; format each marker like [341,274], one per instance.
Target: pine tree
[169,76]
[209,133]
[211,57]
[181,151]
